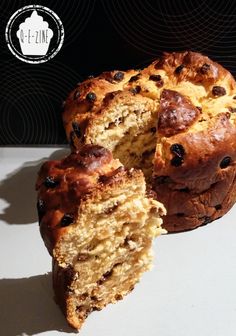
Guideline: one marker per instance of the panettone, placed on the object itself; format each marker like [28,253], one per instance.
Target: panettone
[98,223]
[176,121]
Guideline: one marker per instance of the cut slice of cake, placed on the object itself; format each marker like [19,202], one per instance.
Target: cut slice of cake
[98,224]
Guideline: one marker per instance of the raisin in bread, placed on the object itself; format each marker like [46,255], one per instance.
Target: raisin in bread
[98,224]
[176,120]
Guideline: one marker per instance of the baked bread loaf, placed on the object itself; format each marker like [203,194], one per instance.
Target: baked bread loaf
[176,121]
[98,224]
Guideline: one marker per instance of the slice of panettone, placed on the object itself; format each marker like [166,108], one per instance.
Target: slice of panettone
[98,224]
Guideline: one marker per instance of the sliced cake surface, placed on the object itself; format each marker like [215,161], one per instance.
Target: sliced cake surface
[98,223]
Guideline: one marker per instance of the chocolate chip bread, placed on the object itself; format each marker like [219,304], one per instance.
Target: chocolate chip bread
[98,224]
[176,121]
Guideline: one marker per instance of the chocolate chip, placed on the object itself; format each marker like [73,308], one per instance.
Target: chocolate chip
[111,209]
[83,296]
[205,68]
[69,275]
[76,94]
[153,129]
[118,297]
[179,69]
[131,288]
[201,120]
[155,78]
[76,129]
[96,308]
[177,149]
[225,162]
[107,274]
[186,190]
[66,220]
[218,91]
[228,115]
[199,108]
[232,109]
[177,161]
[91,97]
[83,257]
[135,90]
[116,122]
[134,78]
[50,182]
[119,76]
[206,220]
[83,310]
[218,207]
[234,97]
[94,298]
[104,277]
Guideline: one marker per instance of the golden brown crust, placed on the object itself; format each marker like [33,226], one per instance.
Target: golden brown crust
[175,114]
[63,185]
[195,208]
[196,127]
[193,67]
[202,153]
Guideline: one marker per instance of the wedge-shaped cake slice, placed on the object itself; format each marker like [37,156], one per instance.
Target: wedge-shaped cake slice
[98,224]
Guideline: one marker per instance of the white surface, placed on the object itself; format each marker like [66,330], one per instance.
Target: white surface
[191,290]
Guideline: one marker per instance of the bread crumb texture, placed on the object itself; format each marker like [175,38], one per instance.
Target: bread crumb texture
[98,223]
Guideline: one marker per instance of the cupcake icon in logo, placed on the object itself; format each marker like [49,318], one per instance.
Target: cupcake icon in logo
[34,34]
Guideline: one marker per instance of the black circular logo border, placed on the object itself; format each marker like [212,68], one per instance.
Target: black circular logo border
[40,59]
